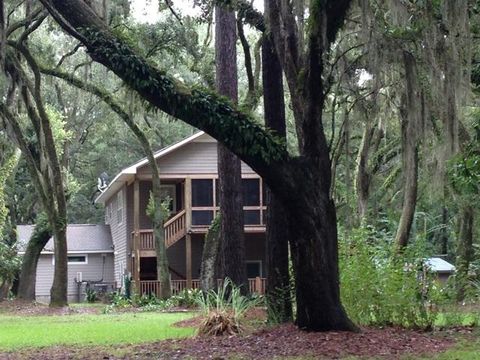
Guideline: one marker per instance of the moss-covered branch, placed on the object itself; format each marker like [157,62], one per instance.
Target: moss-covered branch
[198,107]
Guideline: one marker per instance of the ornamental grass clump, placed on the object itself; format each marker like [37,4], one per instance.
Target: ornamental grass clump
[224,309]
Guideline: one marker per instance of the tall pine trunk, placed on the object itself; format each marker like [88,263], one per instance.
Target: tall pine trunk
[411,122]
[465,251]
[229,166]
[278,279]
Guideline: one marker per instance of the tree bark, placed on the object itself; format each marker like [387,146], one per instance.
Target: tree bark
[28,273]
[411,119]
[278,278]
[211,250]
[229,166]
[465,251]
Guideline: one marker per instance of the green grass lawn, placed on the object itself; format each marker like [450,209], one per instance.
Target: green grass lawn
[89,329]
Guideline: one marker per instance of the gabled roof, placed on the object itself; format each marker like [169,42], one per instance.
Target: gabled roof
[129,172]
[81,238]
[439,265]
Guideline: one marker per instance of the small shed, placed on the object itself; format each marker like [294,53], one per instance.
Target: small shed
[90,259]
[443,269]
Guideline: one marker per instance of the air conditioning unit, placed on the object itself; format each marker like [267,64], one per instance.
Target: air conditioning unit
[79,277]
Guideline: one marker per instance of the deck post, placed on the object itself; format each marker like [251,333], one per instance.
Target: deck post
[136,229]
[188,254]
[188,203]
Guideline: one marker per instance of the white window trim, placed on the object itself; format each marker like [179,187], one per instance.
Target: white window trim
[73,262]
[259,262]
[120,206]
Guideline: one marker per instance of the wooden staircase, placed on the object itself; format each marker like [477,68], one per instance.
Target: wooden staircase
[175,229]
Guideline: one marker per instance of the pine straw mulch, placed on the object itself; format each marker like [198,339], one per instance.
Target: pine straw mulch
[267,343]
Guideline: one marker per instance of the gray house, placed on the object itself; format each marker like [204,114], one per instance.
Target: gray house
[90,260]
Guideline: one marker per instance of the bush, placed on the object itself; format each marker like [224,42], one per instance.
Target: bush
[224,309]
[379,288]
[186,298]
[91,295]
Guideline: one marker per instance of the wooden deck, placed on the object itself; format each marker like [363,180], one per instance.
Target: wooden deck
[152,287]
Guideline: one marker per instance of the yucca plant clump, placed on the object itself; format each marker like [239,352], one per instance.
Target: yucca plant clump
[224,310]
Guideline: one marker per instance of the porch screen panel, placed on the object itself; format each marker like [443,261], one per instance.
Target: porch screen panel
[202,217]
[202,192]
[251,192]
[251,217]
[202,201]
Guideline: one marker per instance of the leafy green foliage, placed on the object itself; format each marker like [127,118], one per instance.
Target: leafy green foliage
[381,289]
[228,302]
[187,298]
[91,295]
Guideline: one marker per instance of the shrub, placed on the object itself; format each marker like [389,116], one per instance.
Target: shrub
[91,295]
[186,298]
[224,309]
[379,288]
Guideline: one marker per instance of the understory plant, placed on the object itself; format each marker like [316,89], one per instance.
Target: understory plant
[187,298]
[224,309]
[379,287]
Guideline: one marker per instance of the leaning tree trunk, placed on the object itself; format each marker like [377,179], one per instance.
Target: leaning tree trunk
[28,273]
[465,250]
[229,166]
[278,279]
[211,249]
[411,122]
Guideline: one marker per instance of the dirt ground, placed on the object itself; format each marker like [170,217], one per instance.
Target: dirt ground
[258,342]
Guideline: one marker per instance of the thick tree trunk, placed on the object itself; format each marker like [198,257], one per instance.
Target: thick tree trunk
[278,279]
[315,257]
[411,120]
[465,251]
[211,249]
[58,292]
[229,166]
[28,274]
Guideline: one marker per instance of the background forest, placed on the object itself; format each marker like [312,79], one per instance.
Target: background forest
[401,120]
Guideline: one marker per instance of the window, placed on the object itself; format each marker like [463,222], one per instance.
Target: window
[120,207]
[203,206]
[77,259]
[202,192]
[251,192]
[252,201]
[254,269]
[74,259]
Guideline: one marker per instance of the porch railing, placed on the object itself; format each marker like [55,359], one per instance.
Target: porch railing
[175,229]
[152,287]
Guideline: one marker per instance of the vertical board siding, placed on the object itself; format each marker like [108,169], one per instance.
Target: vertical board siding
[120,232]
[91,271]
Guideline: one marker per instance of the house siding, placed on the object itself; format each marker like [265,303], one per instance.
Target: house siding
[193,158]
[120,231]
[91,271]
